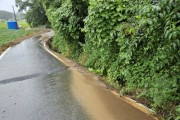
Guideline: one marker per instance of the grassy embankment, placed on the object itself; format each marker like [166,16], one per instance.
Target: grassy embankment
[12,37]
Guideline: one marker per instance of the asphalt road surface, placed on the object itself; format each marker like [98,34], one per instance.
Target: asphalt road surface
[36,86]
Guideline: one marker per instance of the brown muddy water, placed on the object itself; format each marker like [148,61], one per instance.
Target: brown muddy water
[100,102]
[96,99]
[36,86]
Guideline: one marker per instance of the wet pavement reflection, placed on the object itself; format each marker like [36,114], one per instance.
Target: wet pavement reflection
[36,86]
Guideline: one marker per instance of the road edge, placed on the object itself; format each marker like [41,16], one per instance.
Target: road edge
[3,54]
[51,53]
[128,100]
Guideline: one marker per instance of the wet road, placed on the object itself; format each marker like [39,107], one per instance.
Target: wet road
[36,86]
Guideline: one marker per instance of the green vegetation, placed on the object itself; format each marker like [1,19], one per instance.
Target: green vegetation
[23,24]
[135,44]
[7,36]
[3,25]
[35,16]
[67,20]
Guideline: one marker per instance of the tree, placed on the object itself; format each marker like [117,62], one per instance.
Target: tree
[35,14]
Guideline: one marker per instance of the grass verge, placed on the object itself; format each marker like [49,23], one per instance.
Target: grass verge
[7,36]
[20,37]
[11,37]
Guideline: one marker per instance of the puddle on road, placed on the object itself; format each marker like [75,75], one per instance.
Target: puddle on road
[101,103]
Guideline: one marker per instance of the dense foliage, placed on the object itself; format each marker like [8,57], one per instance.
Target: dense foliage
[135,44]
[66,17]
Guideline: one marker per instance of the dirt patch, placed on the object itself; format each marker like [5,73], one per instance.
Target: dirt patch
[12,43]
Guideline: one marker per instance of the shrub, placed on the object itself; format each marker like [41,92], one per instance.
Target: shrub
[135,44]
[66,18]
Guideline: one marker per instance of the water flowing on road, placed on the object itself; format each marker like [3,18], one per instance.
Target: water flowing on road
[36,86]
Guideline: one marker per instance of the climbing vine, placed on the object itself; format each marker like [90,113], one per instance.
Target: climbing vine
[135,44]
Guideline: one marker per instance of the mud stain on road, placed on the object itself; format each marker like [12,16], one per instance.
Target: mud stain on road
[100,102]
[93,95]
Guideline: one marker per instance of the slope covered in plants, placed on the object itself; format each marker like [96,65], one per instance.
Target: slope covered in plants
[135,44]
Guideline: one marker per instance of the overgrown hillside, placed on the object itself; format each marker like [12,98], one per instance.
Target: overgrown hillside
[135,44]
[66,19]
